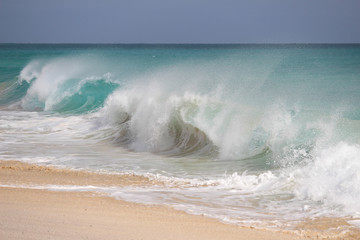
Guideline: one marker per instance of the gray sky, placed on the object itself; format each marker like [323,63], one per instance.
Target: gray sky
[180,21]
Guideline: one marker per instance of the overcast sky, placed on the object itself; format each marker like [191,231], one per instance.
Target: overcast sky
[180,21]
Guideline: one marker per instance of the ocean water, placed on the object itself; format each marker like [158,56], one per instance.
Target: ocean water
[261,135]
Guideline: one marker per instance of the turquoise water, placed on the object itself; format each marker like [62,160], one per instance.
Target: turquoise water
[251,134]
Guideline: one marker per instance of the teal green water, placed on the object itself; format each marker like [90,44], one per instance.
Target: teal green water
[312,74]
[249,129]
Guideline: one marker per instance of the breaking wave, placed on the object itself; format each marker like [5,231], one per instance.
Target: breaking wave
[288,143]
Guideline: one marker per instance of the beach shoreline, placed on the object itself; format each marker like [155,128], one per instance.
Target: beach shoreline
[27,213]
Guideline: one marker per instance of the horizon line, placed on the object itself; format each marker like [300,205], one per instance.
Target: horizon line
[187,43]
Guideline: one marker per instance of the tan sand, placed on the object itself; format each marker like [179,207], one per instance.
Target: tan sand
[39,214]
[15,172]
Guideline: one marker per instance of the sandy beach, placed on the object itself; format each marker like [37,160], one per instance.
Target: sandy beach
[40,214]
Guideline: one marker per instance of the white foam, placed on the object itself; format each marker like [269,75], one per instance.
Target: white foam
[333,178]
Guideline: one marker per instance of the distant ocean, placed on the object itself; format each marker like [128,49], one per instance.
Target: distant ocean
[260,135]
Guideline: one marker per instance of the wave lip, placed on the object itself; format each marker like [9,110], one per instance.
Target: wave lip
[65,84]
[145,121]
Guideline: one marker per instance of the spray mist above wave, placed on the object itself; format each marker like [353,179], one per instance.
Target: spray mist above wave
[198,107]
[155,117]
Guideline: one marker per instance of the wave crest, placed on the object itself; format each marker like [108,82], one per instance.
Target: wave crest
[65,84]
[148,121]
[152,119]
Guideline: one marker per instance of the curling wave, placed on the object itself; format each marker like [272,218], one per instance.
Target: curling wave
[65,85]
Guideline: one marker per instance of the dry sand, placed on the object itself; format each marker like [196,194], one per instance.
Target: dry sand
[40,214]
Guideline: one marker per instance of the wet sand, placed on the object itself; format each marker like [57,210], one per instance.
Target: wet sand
[41,214]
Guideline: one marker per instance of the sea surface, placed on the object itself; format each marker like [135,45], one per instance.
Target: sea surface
[260,135]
